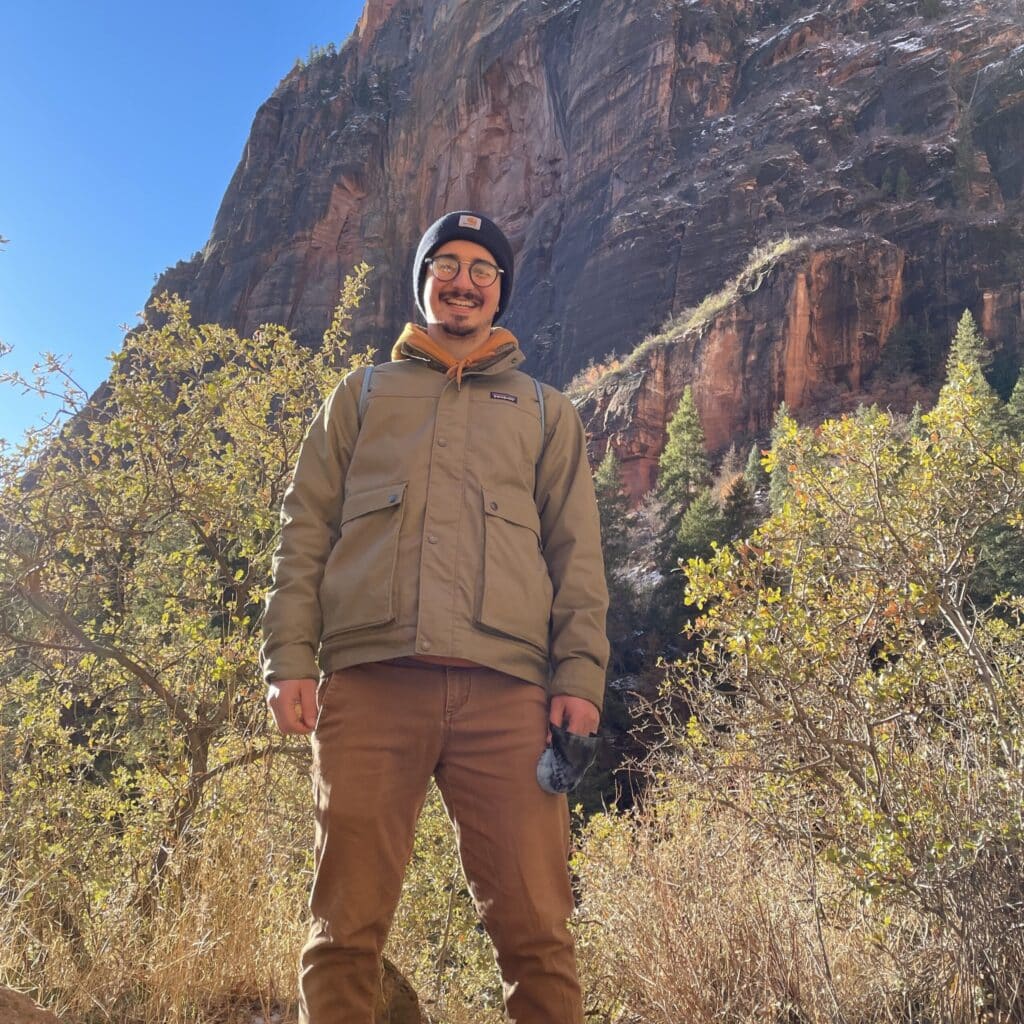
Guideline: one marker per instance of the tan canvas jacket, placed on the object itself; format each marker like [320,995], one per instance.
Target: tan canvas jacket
[439,528]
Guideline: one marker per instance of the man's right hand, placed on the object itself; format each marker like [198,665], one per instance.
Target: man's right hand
[293,705]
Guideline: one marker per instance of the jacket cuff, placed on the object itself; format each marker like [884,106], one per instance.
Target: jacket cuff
[293,661]
[579,678]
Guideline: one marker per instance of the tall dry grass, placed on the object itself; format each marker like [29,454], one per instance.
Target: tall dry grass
[689,914]
[220,942]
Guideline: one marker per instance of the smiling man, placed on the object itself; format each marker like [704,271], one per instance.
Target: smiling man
[440,574]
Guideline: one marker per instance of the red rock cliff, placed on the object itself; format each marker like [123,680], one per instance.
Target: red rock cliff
[637,151]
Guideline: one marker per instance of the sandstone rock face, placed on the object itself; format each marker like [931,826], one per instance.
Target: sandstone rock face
[807,329]
[18,1008]
[637,151]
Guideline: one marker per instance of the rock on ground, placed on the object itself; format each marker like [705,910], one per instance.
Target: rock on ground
[18,1008]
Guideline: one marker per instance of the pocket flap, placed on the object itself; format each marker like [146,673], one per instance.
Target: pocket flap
[513,507]
[360,504]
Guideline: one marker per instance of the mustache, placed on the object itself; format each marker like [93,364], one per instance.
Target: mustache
[460,293]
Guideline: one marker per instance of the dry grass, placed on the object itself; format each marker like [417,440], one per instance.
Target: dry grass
[760,261]
[592,374]
[221,942]
[688,916]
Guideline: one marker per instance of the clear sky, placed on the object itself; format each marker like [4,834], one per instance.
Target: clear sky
[122,123]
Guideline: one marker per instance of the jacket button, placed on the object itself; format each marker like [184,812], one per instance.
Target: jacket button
[494,506]
[442,443]
[424,645]
[432,539]
[392,498]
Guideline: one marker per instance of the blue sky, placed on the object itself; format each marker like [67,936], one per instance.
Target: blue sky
[122,124]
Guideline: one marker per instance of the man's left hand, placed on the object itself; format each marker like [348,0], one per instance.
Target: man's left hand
[576,714]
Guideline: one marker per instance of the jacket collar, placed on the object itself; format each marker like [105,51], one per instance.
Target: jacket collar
[499,352]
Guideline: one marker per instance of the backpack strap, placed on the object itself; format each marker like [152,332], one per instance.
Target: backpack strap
[364,395]
[543,418]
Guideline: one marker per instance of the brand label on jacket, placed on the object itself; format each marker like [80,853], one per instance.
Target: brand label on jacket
[505,397]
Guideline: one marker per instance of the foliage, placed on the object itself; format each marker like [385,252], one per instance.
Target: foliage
[847,680]
[754,472]
[903,185]
[1015,410]
[616,527]
[777,465]
[316,54]
[613,509]
[135,547]
[969,349]
[760,262]
[436,935]
[683,468]
[701,526]
[691,913]
[586,379]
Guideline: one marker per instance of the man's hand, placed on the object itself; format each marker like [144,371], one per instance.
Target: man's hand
[576,714]
[293,705]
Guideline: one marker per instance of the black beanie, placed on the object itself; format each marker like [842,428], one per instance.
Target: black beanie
[471,227]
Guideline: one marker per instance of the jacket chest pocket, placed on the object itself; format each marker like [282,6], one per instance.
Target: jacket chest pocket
[359,579]
[515,591]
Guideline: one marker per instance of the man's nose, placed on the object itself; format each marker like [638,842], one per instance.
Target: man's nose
[464,269]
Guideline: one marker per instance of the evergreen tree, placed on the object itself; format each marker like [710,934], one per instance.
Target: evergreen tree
[914,424]
[1015,410]
[729,467]
[755,474]
[702,524]
[902,185]
[969,347]
[683,468]
[683,471]
[739,509]
[778,488]
[969,356]
[613,509]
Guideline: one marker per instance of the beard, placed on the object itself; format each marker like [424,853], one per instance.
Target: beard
[455,327]
[457,330]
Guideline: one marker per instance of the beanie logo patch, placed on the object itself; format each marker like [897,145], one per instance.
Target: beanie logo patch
[467,220]
[505,397]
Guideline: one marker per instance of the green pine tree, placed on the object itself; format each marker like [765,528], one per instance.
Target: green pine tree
[683,468]
[914,424]
[903,187]
[969,356]
[969,346]
[739,509]
[613,509]
[1015,409]
[778,487]
[702,524]
[755,474]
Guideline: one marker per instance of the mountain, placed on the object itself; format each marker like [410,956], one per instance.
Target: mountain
[644,155]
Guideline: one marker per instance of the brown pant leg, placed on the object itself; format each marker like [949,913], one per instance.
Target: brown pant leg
[375,747]
[513,840]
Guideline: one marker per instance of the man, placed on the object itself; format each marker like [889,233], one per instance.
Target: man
[440,556]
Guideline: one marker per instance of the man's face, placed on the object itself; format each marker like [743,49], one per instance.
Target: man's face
[461,307]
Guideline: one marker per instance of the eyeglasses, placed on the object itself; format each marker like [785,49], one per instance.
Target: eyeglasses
[481,273]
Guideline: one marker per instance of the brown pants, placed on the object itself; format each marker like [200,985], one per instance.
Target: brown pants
[383,731]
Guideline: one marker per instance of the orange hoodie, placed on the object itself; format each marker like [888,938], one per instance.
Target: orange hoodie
[414,342]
